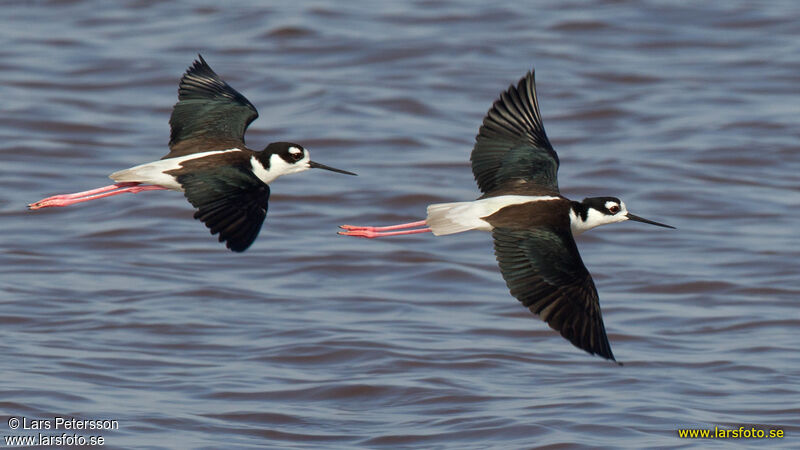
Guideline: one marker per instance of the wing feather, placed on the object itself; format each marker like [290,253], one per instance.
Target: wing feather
[210,115]
[512,145]
[544,271]
[229,201]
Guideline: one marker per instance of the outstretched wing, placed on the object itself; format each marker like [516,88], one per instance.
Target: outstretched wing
[230,201]
[544,271]
[210,115]
[512,145]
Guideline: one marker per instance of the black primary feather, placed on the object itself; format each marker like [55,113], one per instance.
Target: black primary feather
[544,271]
[512,144]
[230,201]
[209,108]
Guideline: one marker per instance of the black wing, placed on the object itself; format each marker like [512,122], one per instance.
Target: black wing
[544,271]
[230,201]
[512,144]
[209,115]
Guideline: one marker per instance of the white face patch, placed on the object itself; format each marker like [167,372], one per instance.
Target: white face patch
[277,167]
[295,151]
[595,218]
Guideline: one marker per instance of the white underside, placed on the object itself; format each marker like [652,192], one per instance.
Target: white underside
[450,218]
[153,172]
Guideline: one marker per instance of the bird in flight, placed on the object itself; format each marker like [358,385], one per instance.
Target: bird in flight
[532,224]
[208,161]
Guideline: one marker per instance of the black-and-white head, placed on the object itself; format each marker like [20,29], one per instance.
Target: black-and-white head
[289,157]
[283,158]
[293,154]
[595,211]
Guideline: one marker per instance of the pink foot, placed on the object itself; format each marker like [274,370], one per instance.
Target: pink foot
[359,233]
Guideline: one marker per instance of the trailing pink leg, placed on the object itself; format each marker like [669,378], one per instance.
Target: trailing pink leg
[90,192]
[401,226]
[369,234]
[375,232]
[94,194]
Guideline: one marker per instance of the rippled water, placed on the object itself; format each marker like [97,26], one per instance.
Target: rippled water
[127,309]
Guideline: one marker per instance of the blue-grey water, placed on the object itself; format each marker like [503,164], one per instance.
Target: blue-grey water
[127,309]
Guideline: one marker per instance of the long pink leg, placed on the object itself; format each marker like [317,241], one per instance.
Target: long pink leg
[90,192]
[401,226]
[94,194]
[375,232]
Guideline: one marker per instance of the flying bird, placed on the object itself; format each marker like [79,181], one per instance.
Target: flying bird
[228,183]
[532,224]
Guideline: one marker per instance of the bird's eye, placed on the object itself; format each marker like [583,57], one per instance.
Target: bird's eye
[297,156]
[614,209]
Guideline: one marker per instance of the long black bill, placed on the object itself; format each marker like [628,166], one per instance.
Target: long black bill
[643,220]
[316,165]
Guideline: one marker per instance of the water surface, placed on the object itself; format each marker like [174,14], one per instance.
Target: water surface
[127,309]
